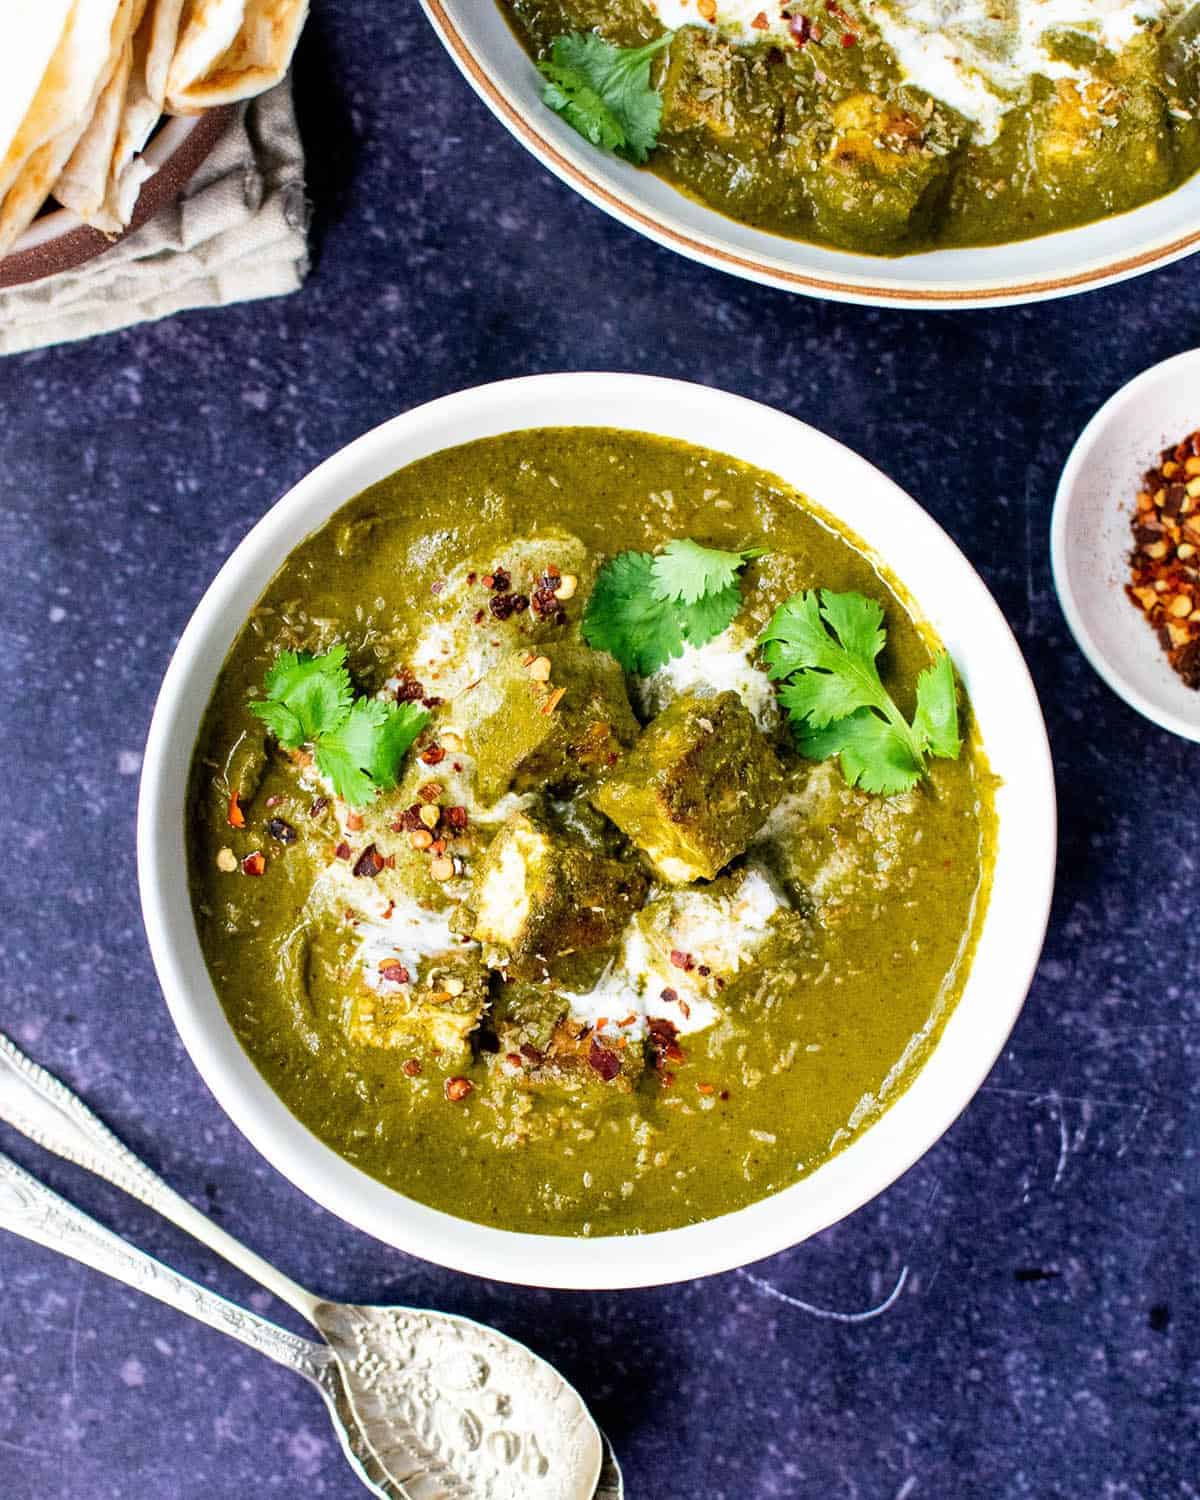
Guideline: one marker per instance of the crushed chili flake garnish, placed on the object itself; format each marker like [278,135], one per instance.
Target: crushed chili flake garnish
[479,616]
[431,702]
[433,755]
[369,863]
[458,1089]
[412,1067]
[236,818]
[471,577]
[545,602]
[666,1079]
[724,1094]
[342,851]
[254,864]
[669,995]
[456,818]
[318,807]
[409,820]
[437,586]
[704,971]
[409,690]
[498,579]
[683,961]
[394,971]
[1165,561]
[430,791]
[514,1058]
[531,1053]
[685,1009]
[354,821]
[662,1042]
[760,22]
[849,39]
[800,28]
[603,1061]
[553,700]
[281,830]
[503,606]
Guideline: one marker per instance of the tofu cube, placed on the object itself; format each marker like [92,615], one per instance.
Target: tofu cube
[695,789]
[432,1015]
[711,89]
[878,174]
[559,717]
[538,896]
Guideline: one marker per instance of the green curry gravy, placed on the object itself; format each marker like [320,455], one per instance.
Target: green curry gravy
[843,989]
[835,143]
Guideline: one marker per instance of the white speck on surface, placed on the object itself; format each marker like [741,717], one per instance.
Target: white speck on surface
[133,1373]
[129,762]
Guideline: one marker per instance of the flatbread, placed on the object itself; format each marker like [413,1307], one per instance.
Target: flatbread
[83,183]
[231,49]
[33,30]
[39,151]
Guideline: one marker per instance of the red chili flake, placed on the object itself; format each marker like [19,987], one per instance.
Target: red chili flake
[342,851]
[849,39]
[409,820]
[669,995]
[458,765]
[704,1088]
[685,1009]
[479,613]
[514,1058]
[433,755]
[499,580]
[395,972]
[318,807]
[531,1054]
[683,961]
[666,1079]
[430,792]
[455,818]
[602,1061]
[412,1067]
[458,1089]
[704,971]
[543,603]
[760,22]
[520,603]
[354,821]
[281,830]
[409,691]
[471,577]
[503,605]
[438,846]
[662,1040]
[390,864]
[431,702]
[254,864]
[724,1094]
[369,863]
[436,588]
[236,818]
[800,28]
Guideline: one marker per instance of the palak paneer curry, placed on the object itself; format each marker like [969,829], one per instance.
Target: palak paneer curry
[533,850]
[889,126]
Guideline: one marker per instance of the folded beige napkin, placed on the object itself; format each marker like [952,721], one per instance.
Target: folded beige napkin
[236,233]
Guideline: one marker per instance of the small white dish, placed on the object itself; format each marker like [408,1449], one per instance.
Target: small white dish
[1090,538]
[947,592]
[487,52]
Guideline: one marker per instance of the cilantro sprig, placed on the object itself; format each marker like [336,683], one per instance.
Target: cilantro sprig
[358,743]
[823,647]
[645,607]
[604,91]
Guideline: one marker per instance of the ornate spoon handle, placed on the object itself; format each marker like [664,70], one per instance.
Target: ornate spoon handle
[40,1107]
[29,1209]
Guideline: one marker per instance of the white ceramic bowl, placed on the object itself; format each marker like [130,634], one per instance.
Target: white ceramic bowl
[953,599]
[1090,539]
[480,41]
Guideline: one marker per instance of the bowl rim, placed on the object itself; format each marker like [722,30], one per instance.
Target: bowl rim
[570,167]
[942,1085]
[1077,460]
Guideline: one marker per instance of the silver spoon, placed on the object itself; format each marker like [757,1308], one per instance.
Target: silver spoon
[426,1406]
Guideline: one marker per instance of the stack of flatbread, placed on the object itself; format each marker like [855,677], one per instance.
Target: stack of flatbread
[83,83]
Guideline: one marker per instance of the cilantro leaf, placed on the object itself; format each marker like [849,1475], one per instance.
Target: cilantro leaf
[626,619]
[645,608]
[710,615]
[375,738]
[936,718]
[314,691]
[604,91]
[823,647]
[686,571]
[359,744]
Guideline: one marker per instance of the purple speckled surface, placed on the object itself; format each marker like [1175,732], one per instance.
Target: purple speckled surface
[131,465]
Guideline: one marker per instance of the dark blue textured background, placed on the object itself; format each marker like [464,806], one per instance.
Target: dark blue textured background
[130,466]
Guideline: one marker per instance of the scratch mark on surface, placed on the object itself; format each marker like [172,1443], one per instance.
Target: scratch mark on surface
[30,1452]
[907,1488]
[828,1313]
[1064,1139]
[75,1333]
